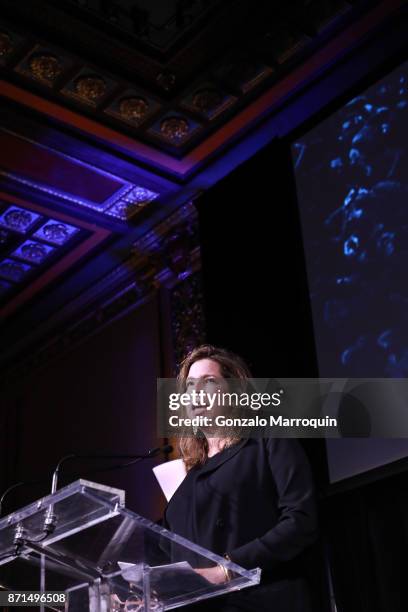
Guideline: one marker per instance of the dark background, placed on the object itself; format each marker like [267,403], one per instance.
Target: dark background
[258,303]
[100,396]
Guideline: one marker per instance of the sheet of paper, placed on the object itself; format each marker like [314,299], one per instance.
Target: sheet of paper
[168,581]
[170,475]
[133,572]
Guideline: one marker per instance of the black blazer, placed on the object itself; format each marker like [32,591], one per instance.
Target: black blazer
[254,501]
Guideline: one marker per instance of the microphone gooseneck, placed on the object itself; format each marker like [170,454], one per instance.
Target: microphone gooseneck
[7,491]
[50,521]
[50,517]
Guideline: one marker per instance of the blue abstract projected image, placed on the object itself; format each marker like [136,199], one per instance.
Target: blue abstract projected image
[352,185]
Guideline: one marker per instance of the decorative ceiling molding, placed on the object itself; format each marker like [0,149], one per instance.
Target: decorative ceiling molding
[159,25]
[165,256]
[67,178]
[98,95]
[36,246]
[132,129]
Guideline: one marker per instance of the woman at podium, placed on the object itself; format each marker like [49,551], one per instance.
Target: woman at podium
[250,500]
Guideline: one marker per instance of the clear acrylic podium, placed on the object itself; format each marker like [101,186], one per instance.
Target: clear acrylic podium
[105,557]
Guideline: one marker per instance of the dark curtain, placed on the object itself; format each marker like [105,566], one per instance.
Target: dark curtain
[367,537]
[255,287]
[10,415]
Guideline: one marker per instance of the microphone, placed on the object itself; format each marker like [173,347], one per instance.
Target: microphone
[50,518]
[153,452]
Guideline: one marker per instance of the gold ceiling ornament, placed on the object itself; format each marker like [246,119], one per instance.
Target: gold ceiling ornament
[34,251]
[45,66]
[133,109]
[90,87]
[6,44]
[205,100]
[18,219]
[56,232]
[174,128]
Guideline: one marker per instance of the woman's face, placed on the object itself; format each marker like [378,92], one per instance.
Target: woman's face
[204,375]
[203,368]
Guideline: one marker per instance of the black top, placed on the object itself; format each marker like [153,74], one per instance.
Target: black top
[255,501]
[180,513]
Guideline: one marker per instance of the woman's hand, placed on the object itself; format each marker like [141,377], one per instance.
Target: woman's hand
[115,603]
[216,574]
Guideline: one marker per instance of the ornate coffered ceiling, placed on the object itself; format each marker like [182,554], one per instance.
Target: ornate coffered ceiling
[114,115]
[167,73]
